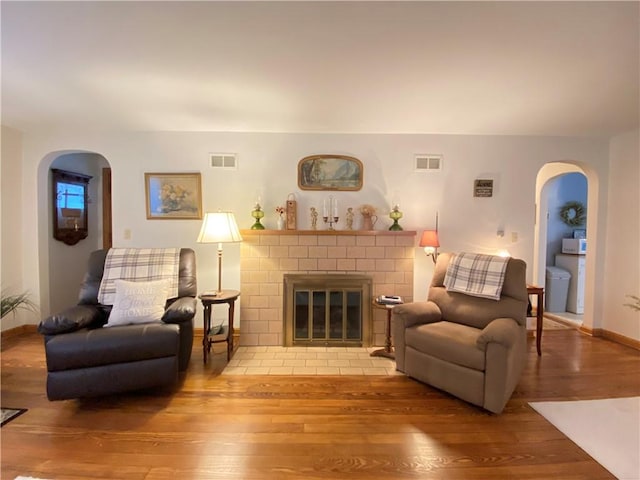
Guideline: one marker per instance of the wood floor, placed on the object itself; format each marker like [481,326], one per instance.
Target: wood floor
[265,427]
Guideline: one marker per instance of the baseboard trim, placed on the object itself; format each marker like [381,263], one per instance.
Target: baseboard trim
[594,332]
[19,330]
[612,336]
[198,332]
[561,320]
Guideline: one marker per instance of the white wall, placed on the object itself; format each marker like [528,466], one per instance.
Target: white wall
[267,166]
[11,230]
[622,268]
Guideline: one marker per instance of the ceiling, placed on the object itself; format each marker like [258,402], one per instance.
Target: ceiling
[506,68]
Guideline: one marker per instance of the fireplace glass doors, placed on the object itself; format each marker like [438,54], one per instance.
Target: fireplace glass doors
[327,310]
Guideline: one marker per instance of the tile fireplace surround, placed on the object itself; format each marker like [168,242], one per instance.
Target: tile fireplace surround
[266,255]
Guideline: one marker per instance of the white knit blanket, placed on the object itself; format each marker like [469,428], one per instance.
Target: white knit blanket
[476,274]
[139,265]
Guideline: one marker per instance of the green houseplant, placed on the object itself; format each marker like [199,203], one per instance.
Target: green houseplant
[10,303]
[636,304]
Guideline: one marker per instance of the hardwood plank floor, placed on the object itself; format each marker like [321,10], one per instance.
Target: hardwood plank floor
[270,427]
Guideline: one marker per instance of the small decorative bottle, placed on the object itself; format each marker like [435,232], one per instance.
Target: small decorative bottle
[280,220]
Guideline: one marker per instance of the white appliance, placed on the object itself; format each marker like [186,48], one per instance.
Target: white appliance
[575,264]
[574,245]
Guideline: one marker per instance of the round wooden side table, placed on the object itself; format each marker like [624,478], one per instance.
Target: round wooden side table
[225,334]
[387,351]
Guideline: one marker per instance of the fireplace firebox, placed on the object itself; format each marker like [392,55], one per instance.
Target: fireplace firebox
[327,310]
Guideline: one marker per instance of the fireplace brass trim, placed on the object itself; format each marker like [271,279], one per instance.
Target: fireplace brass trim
[300,281]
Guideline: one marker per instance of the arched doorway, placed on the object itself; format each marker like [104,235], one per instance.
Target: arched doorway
[65,265]
[547,202]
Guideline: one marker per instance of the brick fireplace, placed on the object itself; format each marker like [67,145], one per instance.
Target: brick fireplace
[267,255]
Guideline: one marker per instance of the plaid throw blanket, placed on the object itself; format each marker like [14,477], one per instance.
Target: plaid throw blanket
[138,265]
[477,275]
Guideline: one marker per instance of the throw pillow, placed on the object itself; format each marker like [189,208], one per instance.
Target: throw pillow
[138,302]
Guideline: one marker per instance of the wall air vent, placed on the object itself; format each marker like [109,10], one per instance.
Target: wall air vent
[428,162]
[226,161]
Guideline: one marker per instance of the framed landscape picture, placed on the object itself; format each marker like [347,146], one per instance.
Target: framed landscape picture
[173,196]
[330,172]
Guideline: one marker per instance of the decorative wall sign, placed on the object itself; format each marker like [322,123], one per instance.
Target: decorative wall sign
[330,172]
[173,196]
[483,188]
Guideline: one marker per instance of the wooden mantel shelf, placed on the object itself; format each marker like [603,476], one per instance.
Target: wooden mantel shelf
[407,233]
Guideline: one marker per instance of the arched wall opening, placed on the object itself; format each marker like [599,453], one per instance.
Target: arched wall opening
[62,266]
[546,175]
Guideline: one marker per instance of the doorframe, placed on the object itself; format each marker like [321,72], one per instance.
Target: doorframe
[593,265]
[547,173]
[107,228]
[42,219]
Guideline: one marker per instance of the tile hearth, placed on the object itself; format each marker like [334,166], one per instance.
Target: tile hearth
[275,360]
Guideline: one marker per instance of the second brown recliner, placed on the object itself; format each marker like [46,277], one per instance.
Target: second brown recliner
[473,348]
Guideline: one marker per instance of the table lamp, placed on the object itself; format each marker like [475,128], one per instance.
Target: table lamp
[219,227]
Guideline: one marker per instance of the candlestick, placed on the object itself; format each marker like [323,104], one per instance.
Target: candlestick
[333,208]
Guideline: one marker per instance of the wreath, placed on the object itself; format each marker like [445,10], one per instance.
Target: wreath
[573,214]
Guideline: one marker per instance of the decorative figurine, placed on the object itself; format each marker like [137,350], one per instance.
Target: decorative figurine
[314,218]
[349,218]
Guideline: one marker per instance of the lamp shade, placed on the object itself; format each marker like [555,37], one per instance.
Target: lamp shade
[429,239]
[219,227]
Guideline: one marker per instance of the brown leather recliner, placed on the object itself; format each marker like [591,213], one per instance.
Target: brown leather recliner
[474,348]
[86,360]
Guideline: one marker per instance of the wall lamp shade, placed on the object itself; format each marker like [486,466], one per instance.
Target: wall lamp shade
[430,242]
[219,227]
[429,239]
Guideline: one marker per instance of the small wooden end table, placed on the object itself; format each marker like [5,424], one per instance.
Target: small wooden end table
[387,351]
[539,292]
[226,332]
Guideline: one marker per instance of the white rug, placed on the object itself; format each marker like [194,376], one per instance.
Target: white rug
[608,430]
